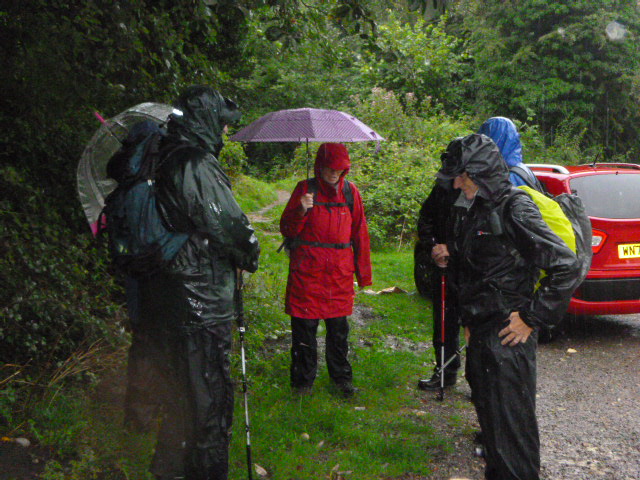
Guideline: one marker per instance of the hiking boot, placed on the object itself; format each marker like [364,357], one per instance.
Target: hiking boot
[346,389]
[433,383]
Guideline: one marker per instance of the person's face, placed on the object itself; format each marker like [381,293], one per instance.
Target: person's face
[330,175]
[464,183]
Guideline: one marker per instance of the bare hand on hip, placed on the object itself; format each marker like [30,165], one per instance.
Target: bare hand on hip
[516,332]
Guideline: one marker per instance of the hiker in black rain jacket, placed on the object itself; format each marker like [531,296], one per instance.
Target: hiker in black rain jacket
[191,302]
[499,245]
[434,228]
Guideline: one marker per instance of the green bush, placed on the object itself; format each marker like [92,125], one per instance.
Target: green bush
[564,150]
[395,180]
[57,294]
[232,158]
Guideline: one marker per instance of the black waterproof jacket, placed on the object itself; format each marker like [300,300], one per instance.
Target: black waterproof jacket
[496,272]
[194,194]
[434,226]
[434,221]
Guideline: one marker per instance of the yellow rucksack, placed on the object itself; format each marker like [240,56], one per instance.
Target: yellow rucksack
[565,215]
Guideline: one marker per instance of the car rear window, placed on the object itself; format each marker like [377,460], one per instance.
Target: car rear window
[609,195]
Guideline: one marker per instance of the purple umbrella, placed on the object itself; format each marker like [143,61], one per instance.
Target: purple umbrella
[306,125]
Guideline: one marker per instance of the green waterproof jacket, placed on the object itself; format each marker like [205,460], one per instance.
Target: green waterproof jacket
[194,195]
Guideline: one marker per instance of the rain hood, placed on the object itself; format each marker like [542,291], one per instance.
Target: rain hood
[205,113]
[335,156]
[505,135]
[480,157]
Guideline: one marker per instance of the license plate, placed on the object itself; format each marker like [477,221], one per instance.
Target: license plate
[629,250]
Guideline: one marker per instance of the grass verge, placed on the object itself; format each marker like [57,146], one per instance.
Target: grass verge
[381,433]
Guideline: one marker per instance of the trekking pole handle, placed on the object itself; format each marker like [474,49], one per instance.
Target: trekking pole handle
[239,302]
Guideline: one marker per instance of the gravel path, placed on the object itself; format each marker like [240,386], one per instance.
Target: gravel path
[588,406]
[589,401]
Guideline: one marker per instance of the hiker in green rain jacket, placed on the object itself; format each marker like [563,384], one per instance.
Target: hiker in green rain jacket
[191,303]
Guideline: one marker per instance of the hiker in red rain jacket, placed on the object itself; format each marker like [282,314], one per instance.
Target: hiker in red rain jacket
[326,232]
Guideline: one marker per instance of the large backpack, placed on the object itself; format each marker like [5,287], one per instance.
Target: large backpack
[140,244]
[566,216]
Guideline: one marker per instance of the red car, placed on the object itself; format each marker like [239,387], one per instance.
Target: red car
[611,195]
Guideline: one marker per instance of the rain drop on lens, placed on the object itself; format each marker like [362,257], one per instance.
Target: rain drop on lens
[616,31]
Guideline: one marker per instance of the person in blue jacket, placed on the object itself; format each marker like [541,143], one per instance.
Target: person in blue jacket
[505,135]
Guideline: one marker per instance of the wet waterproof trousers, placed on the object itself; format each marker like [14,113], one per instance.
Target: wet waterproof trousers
[451,327]
[304,351]
[141,402]
[503,391]
[193,441]
[142,399]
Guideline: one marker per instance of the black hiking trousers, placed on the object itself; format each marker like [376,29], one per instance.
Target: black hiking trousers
[193,441]
[304,351]
[142,398]
[146,354]
[503,391]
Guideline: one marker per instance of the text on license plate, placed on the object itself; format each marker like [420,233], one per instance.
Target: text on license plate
[629,250]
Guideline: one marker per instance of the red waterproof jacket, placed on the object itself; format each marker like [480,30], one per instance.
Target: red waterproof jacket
[320,283]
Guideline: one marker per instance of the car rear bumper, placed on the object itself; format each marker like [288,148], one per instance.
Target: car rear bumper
[606,296]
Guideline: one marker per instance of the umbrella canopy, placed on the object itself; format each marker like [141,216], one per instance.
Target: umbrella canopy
[306,125]
[93,184]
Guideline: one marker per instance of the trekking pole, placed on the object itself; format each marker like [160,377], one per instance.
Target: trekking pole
[443,295]
[245,390]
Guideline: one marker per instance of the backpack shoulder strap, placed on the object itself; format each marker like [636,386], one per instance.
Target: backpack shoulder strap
[347,191]
[496,217]
[151,157]
[497,220]
[526,178]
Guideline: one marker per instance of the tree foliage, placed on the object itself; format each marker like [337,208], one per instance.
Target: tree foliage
[56,293]
[62,60]
[417,58]
[415,70]
[551,62]
[395,179]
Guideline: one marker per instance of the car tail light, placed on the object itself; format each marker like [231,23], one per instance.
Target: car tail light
[597,240]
